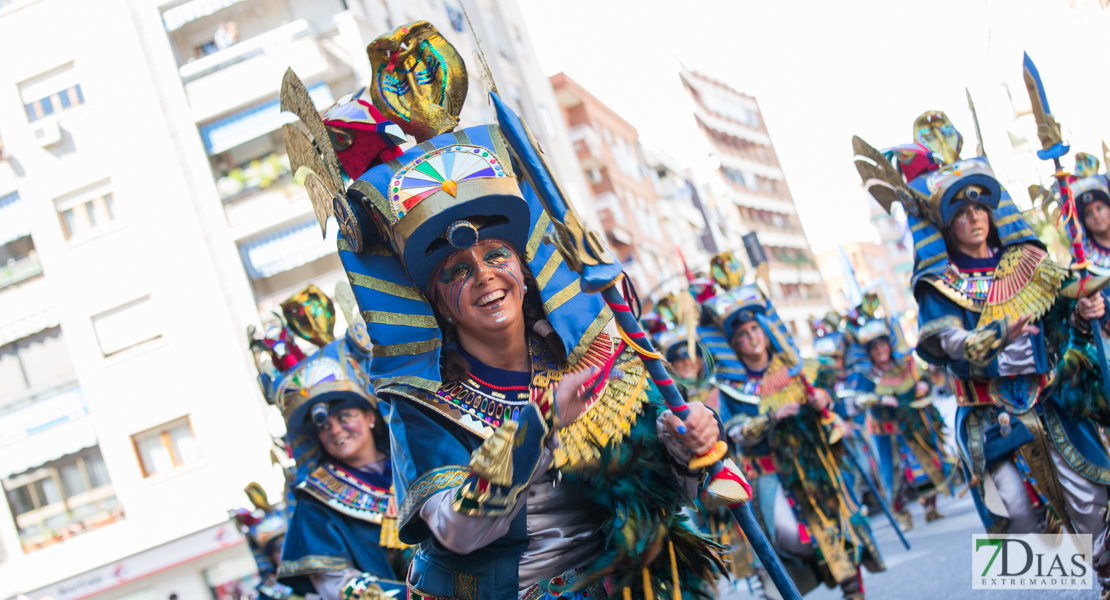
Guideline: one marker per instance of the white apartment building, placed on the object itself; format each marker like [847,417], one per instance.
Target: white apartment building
[751,194]
[147,216]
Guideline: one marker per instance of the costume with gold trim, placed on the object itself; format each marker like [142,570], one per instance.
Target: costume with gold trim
[801,455]
[481,439]
[342,516]
[909,437]
[958,295]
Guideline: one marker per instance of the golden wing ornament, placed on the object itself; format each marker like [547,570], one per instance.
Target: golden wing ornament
[881,179]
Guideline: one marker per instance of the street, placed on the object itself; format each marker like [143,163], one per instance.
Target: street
[938,565]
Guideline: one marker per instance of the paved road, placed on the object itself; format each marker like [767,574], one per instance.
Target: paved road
[938,566]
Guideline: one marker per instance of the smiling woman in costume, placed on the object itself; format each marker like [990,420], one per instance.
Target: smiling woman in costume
[991,311]
[532,454]
[341,540]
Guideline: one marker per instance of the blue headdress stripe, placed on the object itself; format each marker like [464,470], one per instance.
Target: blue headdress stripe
[406,353]
[930,255]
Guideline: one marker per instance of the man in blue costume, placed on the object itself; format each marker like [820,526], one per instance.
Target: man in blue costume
[786,436]
[987,292]
[338,544]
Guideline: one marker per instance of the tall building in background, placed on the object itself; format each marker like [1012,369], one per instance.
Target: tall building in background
[147,216]
[626,191]
[751,194]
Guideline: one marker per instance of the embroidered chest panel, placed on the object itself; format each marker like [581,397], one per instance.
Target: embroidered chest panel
[895,382]
[334,486]
[1025,282]
[972,286]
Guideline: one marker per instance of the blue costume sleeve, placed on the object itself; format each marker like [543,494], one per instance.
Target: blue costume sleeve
[430,454]
[433,454]
[321,540]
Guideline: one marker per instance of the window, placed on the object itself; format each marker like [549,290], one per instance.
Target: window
[166,447]
[18,259]
[51,93]
[62,498]
[126,326]
[84,211]
[34,364]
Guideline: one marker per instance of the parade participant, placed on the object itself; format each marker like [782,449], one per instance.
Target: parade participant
[1083,395]
[779,427]
[264,528]
[533,457]
[341,539]
[984,283]
[905,425]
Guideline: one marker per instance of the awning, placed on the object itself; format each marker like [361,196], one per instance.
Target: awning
[258,120]
[43,431]
[287,248]
[178,16]
[14,223]
[28,325]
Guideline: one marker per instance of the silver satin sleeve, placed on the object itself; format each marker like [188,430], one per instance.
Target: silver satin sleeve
[1016,359]
[329,586]
[463,534]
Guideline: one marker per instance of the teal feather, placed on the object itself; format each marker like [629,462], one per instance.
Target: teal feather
[636,480]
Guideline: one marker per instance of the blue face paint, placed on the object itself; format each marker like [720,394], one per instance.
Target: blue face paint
[502,259]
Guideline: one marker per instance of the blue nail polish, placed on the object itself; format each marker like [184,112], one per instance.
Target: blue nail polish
[682,430]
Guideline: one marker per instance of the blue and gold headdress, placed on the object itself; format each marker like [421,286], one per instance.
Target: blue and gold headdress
[400,219]
[932,189]
[741,305]
[308,390]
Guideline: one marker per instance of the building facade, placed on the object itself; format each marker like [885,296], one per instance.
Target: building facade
[884,267]
[147,217]
[624,191]
[750,194]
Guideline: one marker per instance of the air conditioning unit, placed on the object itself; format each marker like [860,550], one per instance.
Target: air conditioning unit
[48,134]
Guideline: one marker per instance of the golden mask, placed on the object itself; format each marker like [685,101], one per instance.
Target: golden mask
[933,130]
[311,315]
[420,80]
[727,270]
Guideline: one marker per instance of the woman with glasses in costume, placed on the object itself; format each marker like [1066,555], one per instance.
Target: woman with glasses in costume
[340,542]
[906,427]
[786,436]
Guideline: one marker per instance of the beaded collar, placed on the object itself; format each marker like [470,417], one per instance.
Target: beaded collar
[482,405]
[488,401]
[973,284]
[1099,256]
[339,489]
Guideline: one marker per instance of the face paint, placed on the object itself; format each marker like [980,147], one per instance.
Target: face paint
[502,259]
[455,277]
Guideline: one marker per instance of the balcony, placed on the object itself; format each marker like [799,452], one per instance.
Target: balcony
[588,145]
[251,70]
